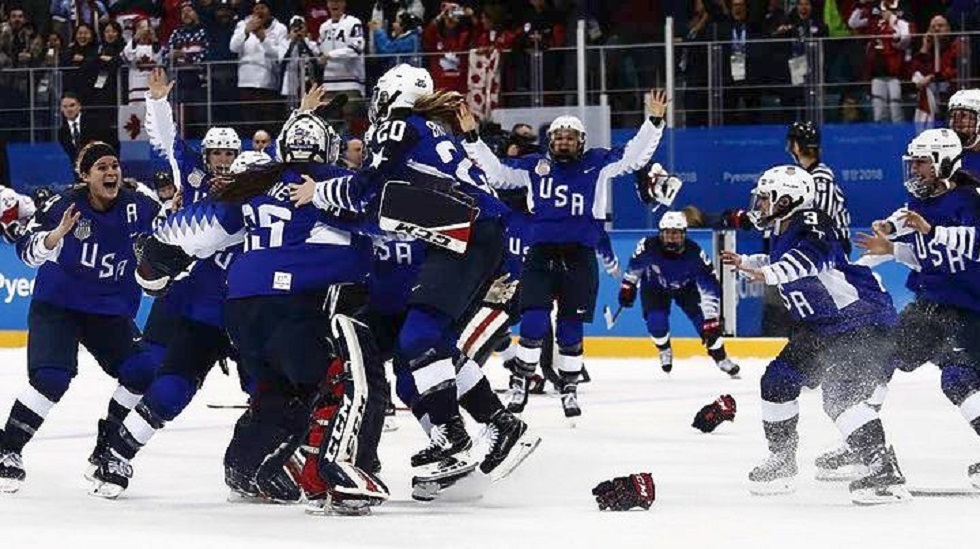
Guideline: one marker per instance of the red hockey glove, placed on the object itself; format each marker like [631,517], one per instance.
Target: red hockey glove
[625,493]
[712,415]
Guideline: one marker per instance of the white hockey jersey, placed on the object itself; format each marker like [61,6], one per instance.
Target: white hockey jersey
[343,43]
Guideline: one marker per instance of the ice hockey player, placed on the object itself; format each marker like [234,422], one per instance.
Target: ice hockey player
[185,328]
[842,343]
[412,143]
[568,191]
[935,236]
[81,241]
[669,268]
[964,119]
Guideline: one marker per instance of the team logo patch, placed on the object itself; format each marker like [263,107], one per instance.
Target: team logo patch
[543,168]
[83,229]
[195,178]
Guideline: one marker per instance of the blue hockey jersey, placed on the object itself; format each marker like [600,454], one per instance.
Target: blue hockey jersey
[942,271]
[91,270]
[652,268]
[568,200]
[818,284]
[394,269]
[971,162]
[286,249]
[201,295]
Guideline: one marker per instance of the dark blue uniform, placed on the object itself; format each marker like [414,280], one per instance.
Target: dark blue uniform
[85,292]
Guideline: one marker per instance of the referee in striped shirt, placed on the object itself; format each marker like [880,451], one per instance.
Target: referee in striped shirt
[803,143]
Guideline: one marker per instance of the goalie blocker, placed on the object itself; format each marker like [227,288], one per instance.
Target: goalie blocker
[444,219]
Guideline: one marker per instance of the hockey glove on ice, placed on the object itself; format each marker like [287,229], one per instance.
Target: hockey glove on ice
[711,416]
[625,493]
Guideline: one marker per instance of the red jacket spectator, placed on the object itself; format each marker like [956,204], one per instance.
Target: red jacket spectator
[884,57]
[486,34]
[315,12]
[446,42]
[542,25]
[170,18]
[934,75]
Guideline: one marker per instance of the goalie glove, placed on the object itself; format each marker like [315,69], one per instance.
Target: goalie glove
[659,186]
[501,291]
[625,493]
[158,265]
[627,294]
[712,415]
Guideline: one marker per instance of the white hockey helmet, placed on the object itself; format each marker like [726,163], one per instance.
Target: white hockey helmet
[399,88]
[964,116]
[247,159]
[937,152]
[566,122]
[220,139]
[780,192]
[307,138]
[673,220]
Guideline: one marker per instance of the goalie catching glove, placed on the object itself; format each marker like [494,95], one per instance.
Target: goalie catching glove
[712,415]
[158,265]
[625,493]
[658,186]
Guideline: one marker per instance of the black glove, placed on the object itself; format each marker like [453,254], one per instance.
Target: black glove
[158,264]
[12,231]
[625,493]
[712,415]
[627,294]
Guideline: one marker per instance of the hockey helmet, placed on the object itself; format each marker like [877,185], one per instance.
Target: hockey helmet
[964,116]
[673,231]
[248,159]
[399,88]
[307,138]
[780,192]
[566,123]
[805,134]
[930,160]
[217,139]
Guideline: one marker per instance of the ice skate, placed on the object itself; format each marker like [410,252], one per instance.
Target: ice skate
[840,464]
[97,457]
[517,394]
[973,472]
[776,475]
[885,483]
[730,368]
[446,460]
[112,477]
[569,400]
[12,472]
[510,444]
[667,360]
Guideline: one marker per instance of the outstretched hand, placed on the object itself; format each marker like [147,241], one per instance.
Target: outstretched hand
[159,86]
[657,103]
[313,98]
[467,122]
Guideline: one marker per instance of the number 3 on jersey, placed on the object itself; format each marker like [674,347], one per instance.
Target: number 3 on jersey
[265,229]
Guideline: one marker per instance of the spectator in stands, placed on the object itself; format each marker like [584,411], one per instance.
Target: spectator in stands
[186,50]
[256,41]
[447,37]
[742,65]
[298,57]
[261,141]
[491,40]
[404,38]
[224,73]
[79,59]
[934,70]
[315,13]
[37,12]
[170,17]
[105,89]
[520,142]
[15,40]
[884,56]
[353,155]
[80,128]
[540,28]
[693,62]
[342,58]
[142,54]
[802,26]
[67,15]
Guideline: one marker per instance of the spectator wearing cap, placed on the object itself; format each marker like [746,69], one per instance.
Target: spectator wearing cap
[934,70]
[142,53]
[186,51]
[885,51]
[257,41]
[447,39]
[298,56]
[403,43]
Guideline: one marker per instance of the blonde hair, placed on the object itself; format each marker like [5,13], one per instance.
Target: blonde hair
[440,106]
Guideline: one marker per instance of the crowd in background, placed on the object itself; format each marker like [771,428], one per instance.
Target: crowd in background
[272,49]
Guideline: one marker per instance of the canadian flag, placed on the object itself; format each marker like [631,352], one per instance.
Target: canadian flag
[132,123]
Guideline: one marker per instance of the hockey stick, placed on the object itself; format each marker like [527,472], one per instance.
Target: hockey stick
[611,317]
[228,406]
[331,109]
[923,492]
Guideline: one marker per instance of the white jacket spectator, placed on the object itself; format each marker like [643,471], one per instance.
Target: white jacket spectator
[298,49]
[342,50]
[143,55]
[258,52]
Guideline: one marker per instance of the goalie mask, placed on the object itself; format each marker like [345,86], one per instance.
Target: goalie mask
[964,117]
[399,88]
[566,138]
[931,159]
[307,138]
[220,147]
[673,232]
[779,193]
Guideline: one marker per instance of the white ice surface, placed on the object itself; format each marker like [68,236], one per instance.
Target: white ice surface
[636,418]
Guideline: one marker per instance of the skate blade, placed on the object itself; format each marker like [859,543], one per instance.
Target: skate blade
[390,425]
[10,485]
[467,488]
[105,490]
[90,472]
[923,492]
[524,447]
[881,496]
[777,487]
[329,507]
[842,474]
